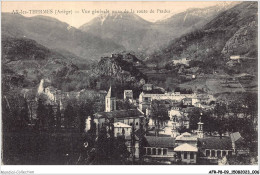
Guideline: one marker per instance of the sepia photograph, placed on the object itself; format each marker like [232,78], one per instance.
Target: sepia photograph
[129,83]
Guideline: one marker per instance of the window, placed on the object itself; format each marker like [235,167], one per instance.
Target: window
[219,153]
[223,153]
[164,151]
[159,151]
[185,155]
[130,124]
[207,153]
[212,153]
[154,151]
[229,153]
[136,123]
[191,155]
[148,151]
[179,155]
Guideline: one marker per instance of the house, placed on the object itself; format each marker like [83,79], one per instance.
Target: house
[175,111]
[147,87]
[121,129]
[187,153]
[235,57]
[239,145]
[186,138]
[184,61]
[128,95]
[187,102]
[159,149]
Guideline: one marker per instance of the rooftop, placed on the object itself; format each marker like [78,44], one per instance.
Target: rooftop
[160,142]
[235,136]
[186,147]
[223,143]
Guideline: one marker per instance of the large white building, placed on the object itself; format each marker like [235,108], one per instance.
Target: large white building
[145,99]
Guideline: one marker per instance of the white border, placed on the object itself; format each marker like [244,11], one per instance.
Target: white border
[121,169]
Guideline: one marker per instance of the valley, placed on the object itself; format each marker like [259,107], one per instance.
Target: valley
[153,91]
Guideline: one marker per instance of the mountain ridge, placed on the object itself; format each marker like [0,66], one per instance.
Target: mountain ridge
[53,33]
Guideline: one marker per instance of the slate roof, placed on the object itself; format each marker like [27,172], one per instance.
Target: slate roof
[120,114]
[186,147]
[235,136]
[238,140]
[160,142]
[223,143]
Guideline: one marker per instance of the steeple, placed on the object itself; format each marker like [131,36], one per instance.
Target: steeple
[109,92]
[110,101]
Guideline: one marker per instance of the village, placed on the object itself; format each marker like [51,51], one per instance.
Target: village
[159,127]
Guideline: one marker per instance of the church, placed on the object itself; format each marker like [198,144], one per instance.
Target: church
[124,122]
[131,117]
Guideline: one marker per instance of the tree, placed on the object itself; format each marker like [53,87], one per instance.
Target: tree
[220,111]
[58,118]
[50,118]
[102,146]
[41,114]
[159,113]
[24,115]
[69,116]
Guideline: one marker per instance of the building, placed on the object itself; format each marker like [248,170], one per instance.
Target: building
[123,122]
[186,138]
[184,61]
[147,87]
[187,153]
[110,101]
[214,148]
[235,57]
[128,95]
[131,117]
[145,99]
[187,102]
[239,145]
[175,111]
[159,149]
[121,129]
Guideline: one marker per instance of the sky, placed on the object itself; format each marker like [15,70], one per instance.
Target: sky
[72,12]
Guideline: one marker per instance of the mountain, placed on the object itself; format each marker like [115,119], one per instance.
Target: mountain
[127,29]
[55,34]
[164,31]
[120,71]
[25,62]
[139,35]
[232,32]
[122,67]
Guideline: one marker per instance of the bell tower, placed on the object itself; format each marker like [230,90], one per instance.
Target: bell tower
[110,101]
[200,132]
